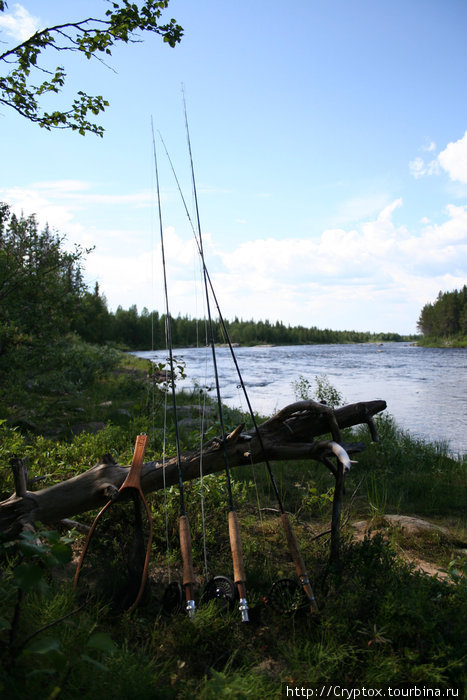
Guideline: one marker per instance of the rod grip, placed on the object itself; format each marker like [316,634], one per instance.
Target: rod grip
[293,546]
[236,548]
[187,557]
[300,567]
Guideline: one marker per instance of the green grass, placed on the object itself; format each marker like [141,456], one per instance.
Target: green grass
[380,621]
[413,476]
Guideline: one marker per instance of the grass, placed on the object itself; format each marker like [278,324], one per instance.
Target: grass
[411,475]
[381,620]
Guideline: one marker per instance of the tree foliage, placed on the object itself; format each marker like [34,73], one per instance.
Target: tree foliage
[93,38]
[446,317]
[146,330]
[41,286]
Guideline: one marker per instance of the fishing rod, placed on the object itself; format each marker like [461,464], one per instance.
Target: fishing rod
[184,526]
[291,538]
[234,526]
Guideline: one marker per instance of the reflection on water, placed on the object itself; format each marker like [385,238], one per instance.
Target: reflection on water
[425,388]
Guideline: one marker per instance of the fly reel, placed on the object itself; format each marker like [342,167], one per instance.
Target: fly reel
[286,597]
[221,589]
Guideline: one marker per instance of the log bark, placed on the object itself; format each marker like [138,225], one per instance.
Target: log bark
[289,435]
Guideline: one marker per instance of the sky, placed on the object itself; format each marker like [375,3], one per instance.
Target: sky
[329,143]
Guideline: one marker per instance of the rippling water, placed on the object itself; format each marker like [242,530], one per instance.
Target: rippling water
[425,388]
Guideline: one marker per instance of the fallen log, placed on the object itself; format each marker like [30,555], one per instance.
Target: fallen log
[288,435]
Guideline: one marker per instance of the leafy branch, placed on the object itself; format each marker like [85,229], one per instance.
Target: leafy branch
[94,38]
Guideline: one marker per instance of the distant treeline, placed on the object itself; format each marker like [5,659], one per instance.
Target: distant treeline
[446,318]
[146,330]
[43,298]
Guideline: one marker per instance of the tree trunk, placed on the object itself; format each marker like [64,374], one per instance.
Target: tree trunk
[288,435]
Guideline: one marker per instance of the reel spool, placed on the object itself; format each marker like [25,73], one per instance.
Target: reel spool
[286,597]
[221,589]
[173,598]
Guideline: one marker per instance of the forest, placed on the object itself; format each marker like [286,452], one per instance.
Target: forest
[43,296]
[389,597]
[446,318]
[68,396]
[141,331]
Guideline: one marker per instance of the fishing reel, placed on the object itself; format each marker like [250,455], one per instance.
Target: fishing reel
[221,589]
[286,597]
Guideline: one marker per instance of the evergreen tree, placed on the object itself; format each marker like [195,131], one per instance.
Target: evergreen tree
[92,320]
[41,284]
[446,317]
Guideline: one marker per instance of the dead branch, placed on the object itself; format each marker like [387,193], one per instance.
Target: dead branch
[288,435]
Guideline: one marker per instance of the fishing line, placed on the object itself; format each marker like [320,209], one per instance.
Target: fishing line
[226,333]
[184,527]
[165,383]
[290,535]
[202,417]
[164,464]
[234,528]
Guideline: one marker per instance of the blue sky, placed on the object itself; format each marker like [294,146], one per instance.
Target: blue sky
[330,150]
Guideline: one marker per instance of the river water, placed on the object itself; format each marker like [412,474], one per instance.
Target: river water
[425,388]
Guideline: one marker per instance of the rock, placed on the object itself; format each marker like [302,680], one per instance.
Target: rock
[189,423]
[194,410]
[411,525]
[92,427]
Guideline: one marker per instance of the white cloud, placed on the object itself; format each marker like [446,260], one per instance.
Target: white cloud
[138,278]
[376,275]
[19,24]
[58,202]
[31,200]
[79,190]
[418,167]
[454,159]
[358,208]
[58,187]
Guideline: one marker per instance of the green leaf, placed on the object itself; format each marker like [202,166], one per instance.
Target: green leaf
[28,576]
[43,646]
[4,624]
[30,549]
[61,552]
[95,663]
[103,642]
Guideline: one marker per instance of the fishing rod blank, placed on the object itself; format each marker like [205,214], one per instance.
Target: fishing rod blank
[289,533]
[184,526]
[234,526]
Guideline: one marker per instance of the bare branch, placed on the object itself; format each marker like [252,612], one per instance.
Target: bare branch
[90,490]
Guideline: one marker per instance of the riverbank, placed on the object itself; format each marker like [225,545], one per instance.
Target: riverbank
[427,342]
[381,620]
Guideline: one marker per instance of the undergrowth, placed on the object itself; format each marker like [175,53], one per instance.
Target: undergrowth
[381,620]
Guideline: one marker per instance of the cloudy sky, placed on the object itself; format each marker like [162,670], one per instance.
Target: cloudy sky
[330,150]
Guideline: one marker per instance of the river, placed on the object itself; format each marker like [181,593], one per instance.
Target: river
[425,388]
